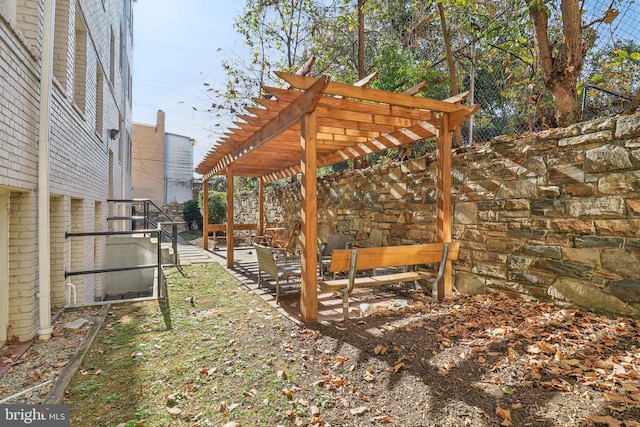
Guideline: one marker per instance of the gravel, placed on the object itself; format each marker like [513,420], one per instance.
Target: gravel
[31,375]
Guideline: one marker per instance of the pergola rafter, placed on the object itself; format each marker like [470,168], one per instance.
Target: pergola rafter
[315,122]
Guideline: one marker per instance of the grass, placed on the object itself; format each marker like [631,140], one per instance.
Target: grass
[214,364]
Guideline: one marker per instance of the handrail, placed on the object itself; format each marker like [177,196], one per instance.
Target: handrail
[157,265]
[151,227]
[150,223]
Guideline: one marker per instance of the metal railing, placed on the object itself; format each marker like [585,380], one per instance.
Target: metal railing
[149,222]
[151,228]
[157,265]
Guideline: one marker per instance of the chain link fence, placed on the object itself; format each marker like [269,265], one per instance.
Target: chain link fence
[510,91]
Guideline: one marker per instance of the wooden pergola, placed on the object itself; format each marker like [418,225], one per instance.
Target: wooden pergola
[316,122]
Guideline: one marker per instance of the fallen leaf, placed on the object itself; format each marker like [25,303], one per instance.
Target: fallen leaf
[282,374]
[534,349]
[174,411]
[380,350]
[171,399]
[341,359]
[505,414]
[605,419]
[616,398]
[359,410]
[513,355]
[287,393]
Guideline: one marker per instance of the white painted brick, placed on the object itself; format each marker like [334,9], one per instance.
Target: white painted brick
[79,159]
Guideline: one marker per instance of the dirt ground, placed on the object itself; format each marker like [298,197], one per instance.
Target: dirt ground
[487,360]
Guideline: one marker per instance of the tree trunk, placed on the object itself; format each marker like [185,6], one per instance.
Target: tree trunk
[560,67]
[362,72]
[451,65]
[634,104]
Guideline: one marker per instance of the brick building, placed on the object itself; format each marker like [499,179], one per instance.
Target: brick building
[65,149]
[162,164]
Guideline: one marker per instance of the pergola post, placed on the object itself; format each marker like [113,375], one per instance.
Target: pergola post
[230,232]
[309,216]
[261,185]
[443,205]
[205,214]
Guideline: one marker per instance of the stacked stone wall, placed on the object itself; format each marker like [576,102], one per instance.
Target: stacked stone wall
[551,216]
[554,215]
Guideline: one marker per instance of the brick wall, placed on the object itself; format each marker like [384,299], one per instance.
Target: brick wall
[23,266]
[86,166]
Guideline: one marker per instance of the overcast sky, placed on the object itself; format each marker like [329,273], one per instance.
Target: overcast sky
[177,47]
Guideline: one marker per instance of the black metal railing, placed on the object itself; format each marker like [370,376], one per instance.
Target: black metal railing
[151,228]
[157,265]
[149,222]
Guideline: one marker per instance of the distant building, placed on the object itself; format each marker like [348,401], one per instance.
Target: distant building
[65,149]
[162,164]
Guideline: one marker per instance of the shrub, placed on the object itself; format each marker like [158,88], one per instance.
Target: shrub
[217,206]
[191,214]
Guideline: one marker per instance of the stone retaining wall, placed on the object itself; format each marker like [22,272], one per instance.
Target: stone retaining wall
[552,216]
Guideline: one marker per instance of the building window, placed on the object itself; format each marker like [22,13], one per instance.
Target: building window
[80,61]
[99,102]
[61,43]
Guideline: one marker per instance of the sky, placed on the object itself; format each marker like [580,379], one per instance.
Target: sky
[177,47]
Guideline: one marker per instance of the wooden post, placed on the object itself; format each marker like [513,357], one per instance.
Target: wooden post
[443,188]
[230,245]
[205,214]
[309,215]
[261,185]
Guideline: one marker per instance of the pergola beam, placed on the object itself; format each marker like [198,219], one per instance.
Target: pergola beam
[292,113]
[368,94]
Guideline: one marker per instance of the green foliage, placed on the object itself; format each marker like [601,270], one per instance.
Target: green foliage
[217,206]
[404,44]
[192,215]
[244,184]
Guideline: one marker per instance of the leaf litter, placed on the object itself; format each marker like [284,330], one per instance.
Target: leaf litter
[470,360]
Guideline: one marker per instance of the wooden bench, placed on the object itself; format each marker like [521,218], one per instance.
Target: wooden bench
[354,260]
[280,268]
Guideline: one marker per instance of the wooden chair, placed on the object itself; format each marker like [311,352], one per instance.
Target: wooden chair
[325,249]
[289,244]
